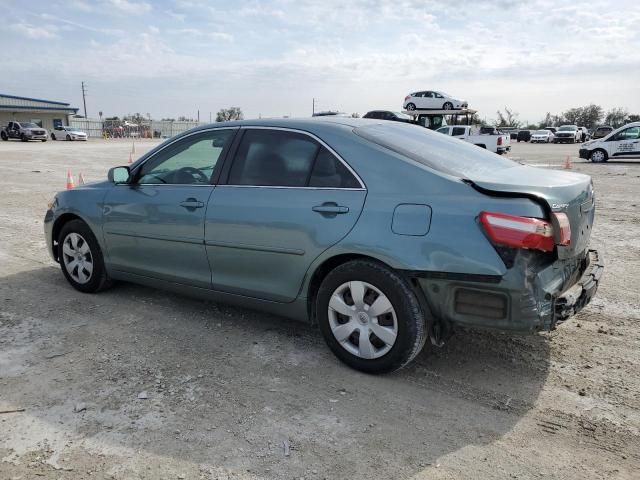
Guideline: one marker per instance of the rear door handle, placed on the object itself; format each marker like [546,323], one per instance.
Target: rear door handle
[190,203]
[330,208]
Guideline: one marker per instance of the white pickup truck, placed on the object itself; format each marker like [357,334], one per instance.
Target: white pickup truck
[493,140]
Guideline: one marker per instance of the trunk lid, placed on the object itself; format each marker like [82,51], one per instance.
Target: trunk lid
[567,192]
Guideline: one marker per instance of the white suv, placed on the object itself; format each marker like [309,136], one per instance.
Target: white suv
[431,100]
[567,133]
[623,142]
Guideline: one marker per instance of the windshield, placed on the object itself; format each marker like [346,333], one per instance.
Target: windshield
[541,132]
[72,129]
[439,152]
[29,125]
[403,116]
[568,128]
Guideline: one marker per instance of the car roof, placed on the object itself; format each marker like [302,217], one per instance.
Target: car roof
[309,124]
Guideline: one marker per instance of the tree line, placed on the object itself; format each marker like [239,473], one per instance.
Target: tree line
[589,116]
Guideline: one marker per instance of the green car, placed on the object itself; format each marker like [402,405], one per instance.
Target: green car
[384,234]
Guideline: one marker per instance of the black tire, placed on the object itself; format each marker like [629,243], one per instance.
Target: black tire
[447,106]
[411,107]
[44,139]
[68,138]
[411,323]
[24,138]
[53,137]
[599,158]
[4,137]
[98,280]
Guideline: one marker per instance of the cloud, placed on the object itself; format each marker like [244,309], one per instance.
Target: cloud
[35,32]
[130,7]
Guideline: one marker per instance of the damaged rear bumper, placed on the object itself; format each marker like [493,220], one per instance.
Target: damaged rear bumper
[580,294]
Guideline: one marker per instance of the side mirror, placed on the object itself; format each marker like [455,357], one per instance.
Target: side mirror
[118,175]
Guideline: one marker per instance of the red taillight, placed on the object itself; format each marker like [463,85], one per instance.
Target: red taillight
[499,140]
[518,232]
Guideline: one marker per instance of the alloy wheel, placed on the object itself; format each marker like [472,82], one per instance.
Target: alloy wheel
[77,258]
[362,320]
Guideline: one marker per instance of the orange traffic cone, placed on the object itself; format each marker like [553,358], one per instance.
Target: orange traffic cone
[130,158]
[70,184]
[80,179]
[567,163]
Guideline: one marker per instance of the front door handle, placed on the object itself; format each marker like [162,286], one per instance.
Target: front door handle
[330,208]
[191,203]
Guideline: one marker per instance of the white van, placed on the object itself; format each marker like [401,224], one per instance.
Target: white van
[623,142]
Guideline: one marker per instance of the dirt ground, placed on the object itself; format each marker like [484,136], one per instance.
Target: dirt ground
[237,394]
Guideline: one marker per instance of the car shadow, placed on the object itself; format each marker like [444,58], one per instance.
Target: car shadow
[183,380]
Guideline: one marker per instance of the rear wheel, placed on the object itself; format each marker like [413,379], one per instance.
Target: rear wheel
[598,156]
[4,137]
[370,317]
[447,106]
[81,259]
[411,106]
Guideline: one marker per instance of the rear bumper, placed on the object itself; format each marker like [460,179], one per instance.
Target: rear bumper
[574,299]
[532,295]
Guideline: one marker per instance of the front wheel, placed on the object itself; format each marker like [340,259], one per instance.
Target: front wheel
[598,156]
[370,317]
[68,138]
[53,137]
[24,138]
[81,259]
[447,106]
[411,107]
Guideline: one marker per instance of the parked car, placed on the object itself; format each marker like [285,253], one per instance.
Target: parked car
[542,136]
[271,214]
[24,131]
[567,134]
[64,132]
[584,134]
[623,142]
[387,115]
[431,100]
[602,131]
[524,136]
[497,143]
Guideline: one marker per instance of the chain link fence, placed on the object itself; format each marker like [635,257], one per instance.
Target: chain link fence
[122,129]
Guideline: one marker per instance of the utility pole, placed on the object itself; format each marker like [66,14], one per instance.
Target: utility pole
[84,101]
[313,107]
[198,115]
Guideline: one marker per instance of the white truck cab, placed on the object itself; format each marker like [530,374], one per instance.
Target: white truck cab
[623,142]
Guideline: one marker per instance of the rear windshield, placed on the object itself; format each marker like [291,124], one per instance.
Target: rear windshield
[440,152]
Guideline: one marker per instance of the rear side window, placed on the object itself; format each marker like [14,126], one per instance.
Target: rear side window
[329,172]
[457,131]
[273,158]
[438,152]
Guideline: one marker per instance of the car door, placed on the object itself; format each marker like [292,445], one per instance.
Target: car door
[429,100]
[286,199]
[418,100]
[625,143]
[154,225]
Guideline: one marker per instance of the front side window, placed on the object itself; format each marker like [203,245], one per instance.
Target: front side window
[631,133]
[457,131]
[190,161]
[444,130]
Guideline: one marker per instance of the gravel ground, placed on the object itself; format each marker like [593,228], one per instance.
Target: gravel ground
[135,383]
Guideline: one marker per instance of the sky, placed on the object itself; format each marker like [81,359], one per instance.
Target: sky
[271,58]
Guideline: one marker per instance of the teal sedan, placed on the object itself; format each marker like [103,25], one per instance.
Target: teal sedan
[384,234]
